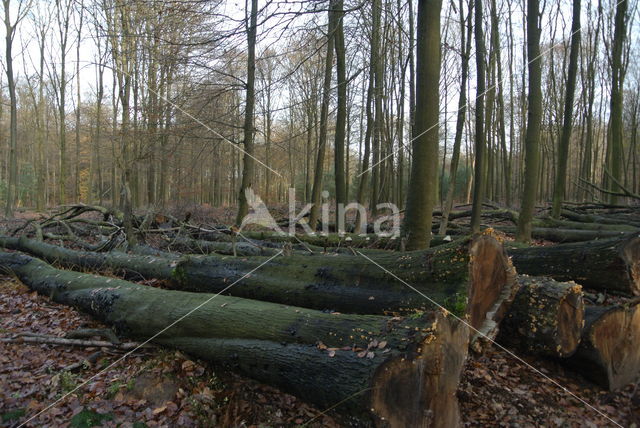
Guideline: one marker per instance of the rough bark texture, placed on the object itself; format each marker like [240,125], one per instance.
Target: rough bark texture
[534,119]
[609,354]
[475,277]
[611,265]
[546,317]
[383,369]
[423,183]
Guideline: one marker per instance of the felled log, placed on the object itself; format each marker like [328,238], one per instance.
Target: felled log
[609,354]
[611,265]
[545,317]
[577,225]
[473,277]
[600,218]
[381,369]
[200,246]
[565,235]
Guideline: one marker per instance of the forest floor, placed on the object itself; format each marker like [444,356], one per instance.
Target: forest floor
[161,387]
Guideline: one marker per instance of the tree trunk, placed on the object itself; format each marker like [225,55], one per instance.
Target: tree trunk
[400,371]
[611,265]
[545,318]
[614,147]
[341,115]
[474,277]
[479,146]
[423,185]
[462,110]
[248,160]
[316,192]
[609,354]
[534,118]
[565,139]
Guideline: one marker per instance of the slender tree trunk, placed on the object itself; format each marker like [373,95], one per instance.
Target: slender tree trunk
[421,197]
[480,144]
[565,139]
[462,111]
[76,185]
[248,161]
[13,124]
[534,118]
[378,121]
[341,118]
[324,118]
[615,152]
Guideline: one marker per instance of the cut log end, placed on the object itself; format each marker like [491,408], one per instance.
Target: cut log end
[570,315]
[421,391]
[492,286]
[631,256]
[546,317]
[609,354]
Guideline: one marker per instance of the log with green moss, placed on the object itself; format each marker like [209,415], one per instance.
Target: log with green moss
[611,265]
[317,242]
[475,273]
[545,317]
[609,354]
[401,371]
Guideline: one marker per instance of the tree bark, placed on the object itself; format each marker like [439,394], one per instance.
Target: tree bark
[565,139]
[480,144]
[341,115]
[545,318]
[611,265]
[473,277]
[248,160]
[609,354]
[534,118]
[316,193]
[615,131]
[462,110]
[421,197]
[382,369]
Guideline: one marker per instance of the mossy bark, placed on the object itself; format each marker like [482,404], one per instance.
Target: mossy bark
[381,369]
[473,277]
[546,317]
[611,265]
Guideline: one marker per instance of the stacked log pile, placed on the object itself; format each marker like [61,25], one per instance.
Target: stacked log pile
[384,332]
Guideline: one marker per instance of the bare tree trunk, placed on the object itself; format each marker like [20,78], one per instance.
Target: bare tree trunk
[248,161]
[462,111]
[532,142]
[324,117]
[480,144]
[565,139]
[76,186]
[341,118]
[421,197]
[13,124]
[614,148]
